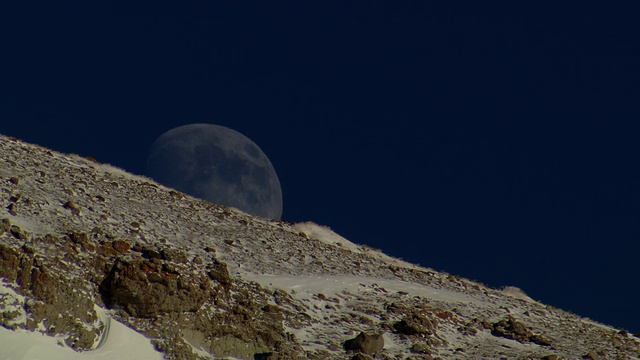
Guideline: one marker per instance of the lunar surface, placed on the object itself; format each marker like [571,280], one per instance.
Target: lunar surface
[217,164]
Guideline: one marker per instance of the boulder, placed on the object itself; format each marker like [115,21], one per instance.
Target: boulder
[415,324]
[218,271]
[512,329]
[365,343]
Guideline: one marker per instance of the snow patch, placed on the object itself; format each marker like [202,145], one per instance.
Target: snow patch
[326,235]
[118,342]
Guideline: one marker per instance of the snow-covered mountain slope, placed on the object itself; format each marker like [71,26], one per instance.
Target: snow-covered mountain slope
[116,342]
[83,245]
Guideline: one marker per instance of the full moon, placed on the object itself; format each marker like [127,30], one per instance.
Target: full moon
[219,165]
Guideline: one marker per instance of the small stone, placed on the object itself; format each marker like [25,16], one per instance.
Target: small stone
[540,340]
[121,246]
[11,208]
[591,355]
[151,254]
[218,271]
[69,205]
[14,180]
[550,357]
[415,325]
[105,250]
[28,249]
[5,224]
[272,309]
[420,348]
[174,255]
[17,232]
[79,238]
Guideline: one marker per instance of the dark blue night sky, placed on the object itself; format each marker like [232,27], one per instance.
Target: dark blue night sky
[495,141]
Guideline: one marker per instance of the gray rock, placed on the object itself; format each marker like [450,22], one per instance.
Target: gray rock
[420,348]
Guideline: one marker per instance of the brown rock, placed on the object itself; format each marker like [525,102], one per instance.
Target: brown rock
[415,324]
[174,255]
[79,238]
[365,343]
[17,232]
[420,348]
[5,225]
[121,246]
[510,328]
[128,286]
[540,340]
[10,260]
[69,205]
[12,209]
[151,254]
[105,250]
[218,271]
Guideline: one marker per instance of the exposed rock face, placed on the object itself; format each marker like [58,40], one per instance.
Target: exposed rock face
[50,297]
[204,281]
[146,289]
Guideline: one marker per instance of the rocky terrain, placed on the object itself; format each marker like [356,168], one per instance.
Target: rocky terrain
[79,239]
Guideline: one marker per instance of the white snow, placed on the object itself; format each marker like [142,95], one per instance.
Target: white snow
[326,235]
[12,302]
[118,342]
[306,286]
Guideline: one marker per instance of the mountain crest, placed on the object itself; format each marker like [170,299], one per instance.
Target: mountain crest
[86,248]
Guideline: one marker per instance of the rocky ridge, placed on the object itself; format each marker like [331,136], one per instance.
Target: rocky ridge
[203,281]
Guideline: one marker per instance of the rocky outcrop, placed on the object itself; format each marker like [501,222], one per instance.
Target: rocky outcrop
[510,328]
[48,298]
[146,288]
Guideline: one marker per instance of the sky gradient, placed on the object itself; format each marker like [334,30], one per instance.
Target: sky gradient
[496,142]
